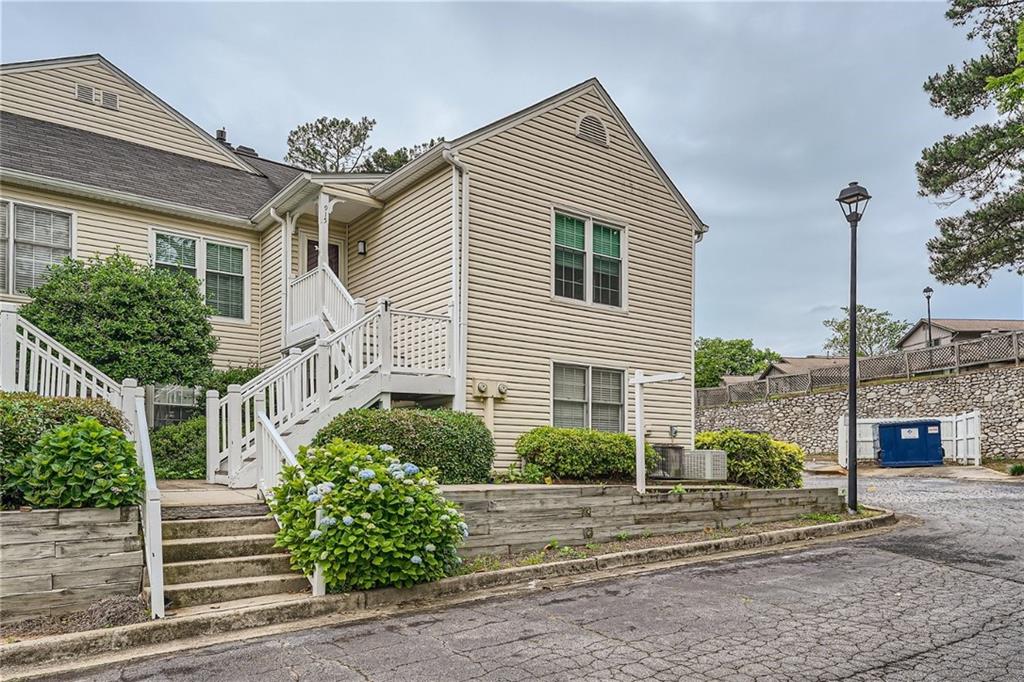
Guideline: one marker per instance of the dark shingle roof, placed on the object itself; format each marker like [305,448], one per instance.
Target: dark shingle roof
[56,151]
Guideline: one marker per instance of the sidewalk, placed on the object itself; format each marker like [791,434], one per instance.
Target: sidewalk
[962,473]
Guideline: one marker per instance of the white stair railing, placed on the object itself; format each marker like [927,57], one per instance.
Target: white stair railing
[318,296]
[340,308]
[421,342]
[32,361]
[304,299]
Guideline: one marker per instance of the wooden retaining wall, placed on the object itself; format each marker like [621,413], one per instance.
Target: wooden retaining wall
[57,560]
[507,519]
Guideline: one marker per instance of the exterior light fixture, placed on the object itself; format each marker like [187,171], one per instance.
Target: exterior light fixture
[361,247]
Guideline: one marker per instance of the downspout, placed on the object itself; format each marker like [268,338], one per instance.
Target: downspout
[460,267]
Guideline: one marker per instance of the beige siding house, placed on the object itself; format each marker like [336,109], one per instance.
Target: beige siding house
[523,271]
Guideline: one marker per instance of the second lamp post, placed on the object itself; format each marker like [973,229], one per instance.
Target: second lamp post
[853,199]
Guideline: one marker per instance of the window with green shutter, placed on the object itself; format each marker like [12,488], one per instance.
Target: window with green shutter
[588,261]
[220,269]
[585,397]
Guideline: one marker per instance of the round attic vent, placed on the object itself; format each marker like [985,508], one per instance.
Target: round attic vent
[591,129]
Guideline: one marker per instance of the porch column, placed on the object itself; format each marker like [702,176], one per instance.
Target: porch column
[324,206]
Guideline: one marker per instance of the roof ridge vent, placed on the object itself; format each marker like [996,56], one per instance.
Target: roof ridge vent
[591,128]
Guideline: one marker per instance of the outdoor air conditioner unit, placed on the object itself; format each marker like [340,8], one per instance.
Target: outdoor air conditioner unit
[704,465]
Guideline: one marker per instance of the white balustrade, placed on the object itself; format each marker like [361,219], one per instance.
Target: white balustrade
[420,342]
[304,295]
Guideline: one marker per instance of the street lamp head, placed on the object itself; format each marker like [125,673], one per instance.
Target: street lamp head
[853,199]
[928,291]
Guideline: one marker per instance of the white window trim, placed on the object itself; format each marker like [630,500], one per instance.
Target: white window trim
[589,365]
[201,242]
[10,239]
[306,237]
[589,218]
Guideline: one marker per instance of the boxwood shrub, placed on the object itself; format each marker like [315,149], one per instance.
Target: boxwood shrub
[24,417]
[219,380]
[383,521]
[457,444]
[85,464]
[179,450]
[582,454]
[755,459]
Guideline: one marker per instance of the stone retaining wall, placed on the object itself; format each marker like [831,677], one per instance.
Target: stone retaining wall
[811,421]
[57,560]
[505,519]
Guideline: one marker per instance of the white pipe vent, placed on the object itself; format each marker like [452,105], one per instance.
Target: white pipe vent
[591,128]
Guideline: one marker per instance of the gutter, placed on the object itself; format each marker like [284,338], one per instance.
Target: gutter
[460,267]
[78,189]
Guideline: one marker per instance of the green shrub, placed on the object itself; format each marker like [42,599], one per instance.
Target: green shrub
[523,472]
[219,380]
[127,319]
[755,459]
[457,444]
[85,464]
[384,522]
[582,454]
[1017,469]
[24,417]
[179,450]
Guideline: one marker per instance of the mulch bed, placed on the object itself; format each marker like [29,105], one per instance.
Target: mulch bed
[106,613]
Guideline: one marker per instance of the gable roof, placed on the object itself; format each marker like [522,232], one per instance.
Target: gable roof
[802,365]
[433,159]
[50,150]
[966,325]
[87,59]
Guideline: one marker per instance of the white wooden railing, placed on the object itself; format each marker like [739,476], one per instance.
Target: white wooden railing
[32,361]
[340,308]
[421,342]
[272,455]
[304,299]
[152,535]
[318,296]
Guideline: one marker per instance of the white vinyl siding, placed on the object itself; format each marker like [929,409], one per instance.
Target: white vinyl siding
[220,269]
[585,397]
[31,240]
[587,261]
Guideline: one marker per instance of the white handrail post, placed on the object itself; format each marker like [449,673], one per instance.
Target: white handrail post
[128,387]
[212,434]
[319,583]
[450,340]
[360,307]
[294,399]
[8,346]
[386,349]
[323,372]
[260,409]
[235,430]
[638,425]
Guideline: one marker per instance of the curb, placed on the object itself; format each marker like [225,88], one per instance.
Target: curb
[62,648]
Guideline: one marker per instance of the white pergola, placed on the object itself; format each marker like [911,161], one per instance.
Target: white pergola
[638,382]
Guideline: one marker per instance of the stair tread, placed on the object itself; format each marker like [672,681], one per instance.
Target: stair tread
[233,604]
[219,538]
[242,519]
[226,582]
[227,560]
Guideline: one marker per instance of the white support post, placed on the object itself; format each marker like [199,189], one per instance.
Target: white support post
[386,343]
[8,346]
[323,373]
[450,331]
[128,387]
[212,434]
[318,582]
[295,397]
[260,408]
[638,425]
[234,429]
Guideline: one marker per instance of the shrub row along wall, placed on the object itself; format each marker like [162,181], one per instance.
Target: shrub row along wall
[57,560]
[516,518]
[811,421]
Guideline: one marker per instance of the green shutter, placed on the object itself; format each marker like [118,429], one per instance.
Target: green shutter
[570,232]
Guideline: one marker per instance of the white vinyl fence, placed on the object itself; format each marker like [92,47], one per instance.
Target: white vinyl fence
[961,437]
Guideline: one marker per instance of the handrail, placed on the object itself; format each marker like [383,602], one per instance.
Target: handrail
[152,532]
[415,313]
[333,279]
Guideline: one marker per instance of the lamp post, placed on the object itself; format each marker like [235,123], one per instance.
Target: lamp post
[928,291]
[853,199]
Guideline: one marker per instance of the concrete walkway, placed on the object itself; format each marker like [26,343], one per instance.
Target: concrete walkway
[961,473]
[202,494]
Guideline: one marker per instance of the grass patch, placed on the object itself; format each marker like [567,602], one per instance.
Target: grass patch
[1003,465]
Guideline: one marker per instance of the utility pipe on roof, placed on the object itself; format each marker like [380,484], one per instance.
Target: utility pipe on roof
[460,266]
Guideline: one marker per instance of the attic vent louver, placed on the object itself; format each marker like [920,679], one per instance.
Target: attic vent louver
[83,93]
[109,100]
[591,129]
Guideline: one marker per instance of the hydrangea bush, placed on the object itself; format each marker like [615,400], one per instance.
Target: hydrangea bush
[382,522]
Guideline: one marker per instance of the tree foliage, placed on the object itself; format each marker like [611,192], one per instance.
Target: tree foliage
[877,332]
[341,145]
[717,357]
[985,164]
[127,319]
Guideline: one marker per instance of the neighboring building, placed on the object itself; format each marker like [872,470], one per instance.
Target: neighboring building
[730,379]
[948,330]
[547,251]
[800,365]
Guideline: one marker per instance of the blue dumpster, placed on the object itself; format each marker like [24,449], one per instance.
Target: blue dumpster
[909,444]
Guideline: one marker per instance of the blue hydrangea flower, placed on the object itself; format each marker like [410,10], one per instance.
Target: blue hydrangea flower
[384,447]
[314,497]
[347,520]
[325,488]
[444,517]
[409,468]
[314,534]
[424,482]
[398,474]
[408,500]
[408,481]
[430,547]
[375,488]
[367,474]
[365,516]
[464,529]
[416,559]
[353,469]
[312,490]
[369,458]
[328,521]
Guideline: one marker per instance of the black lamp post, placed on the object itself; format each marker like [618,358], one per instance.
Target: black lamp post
[928,291]
[853,199]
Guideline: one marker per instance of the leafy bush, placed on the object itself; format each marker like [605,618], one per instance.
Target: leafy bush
[179,450]
[755,459]
[85,464]
[582,454]
[219,380]
[127,319]
[24,417]
[384,522]
[457,444]
[523,472]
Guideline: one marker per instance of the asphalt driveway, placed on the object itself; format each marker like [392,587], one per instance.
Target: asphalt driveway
[941,599]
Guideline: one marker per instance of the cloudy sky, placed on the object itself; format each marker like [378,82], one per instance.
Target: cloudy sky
[759,112]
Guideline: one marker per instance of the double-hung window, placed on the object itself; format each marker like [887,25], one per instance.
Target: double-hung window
[588,261]
[219,267]
[586,397]
[31,240]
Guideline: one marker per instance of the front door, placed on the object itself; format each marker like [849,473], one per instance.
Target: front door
[333,256]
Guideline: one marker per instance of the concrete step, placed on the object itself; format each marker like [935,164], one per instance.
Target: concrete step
[226,568]
[218,527]
[214,591]
[212,511]
[197,549]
